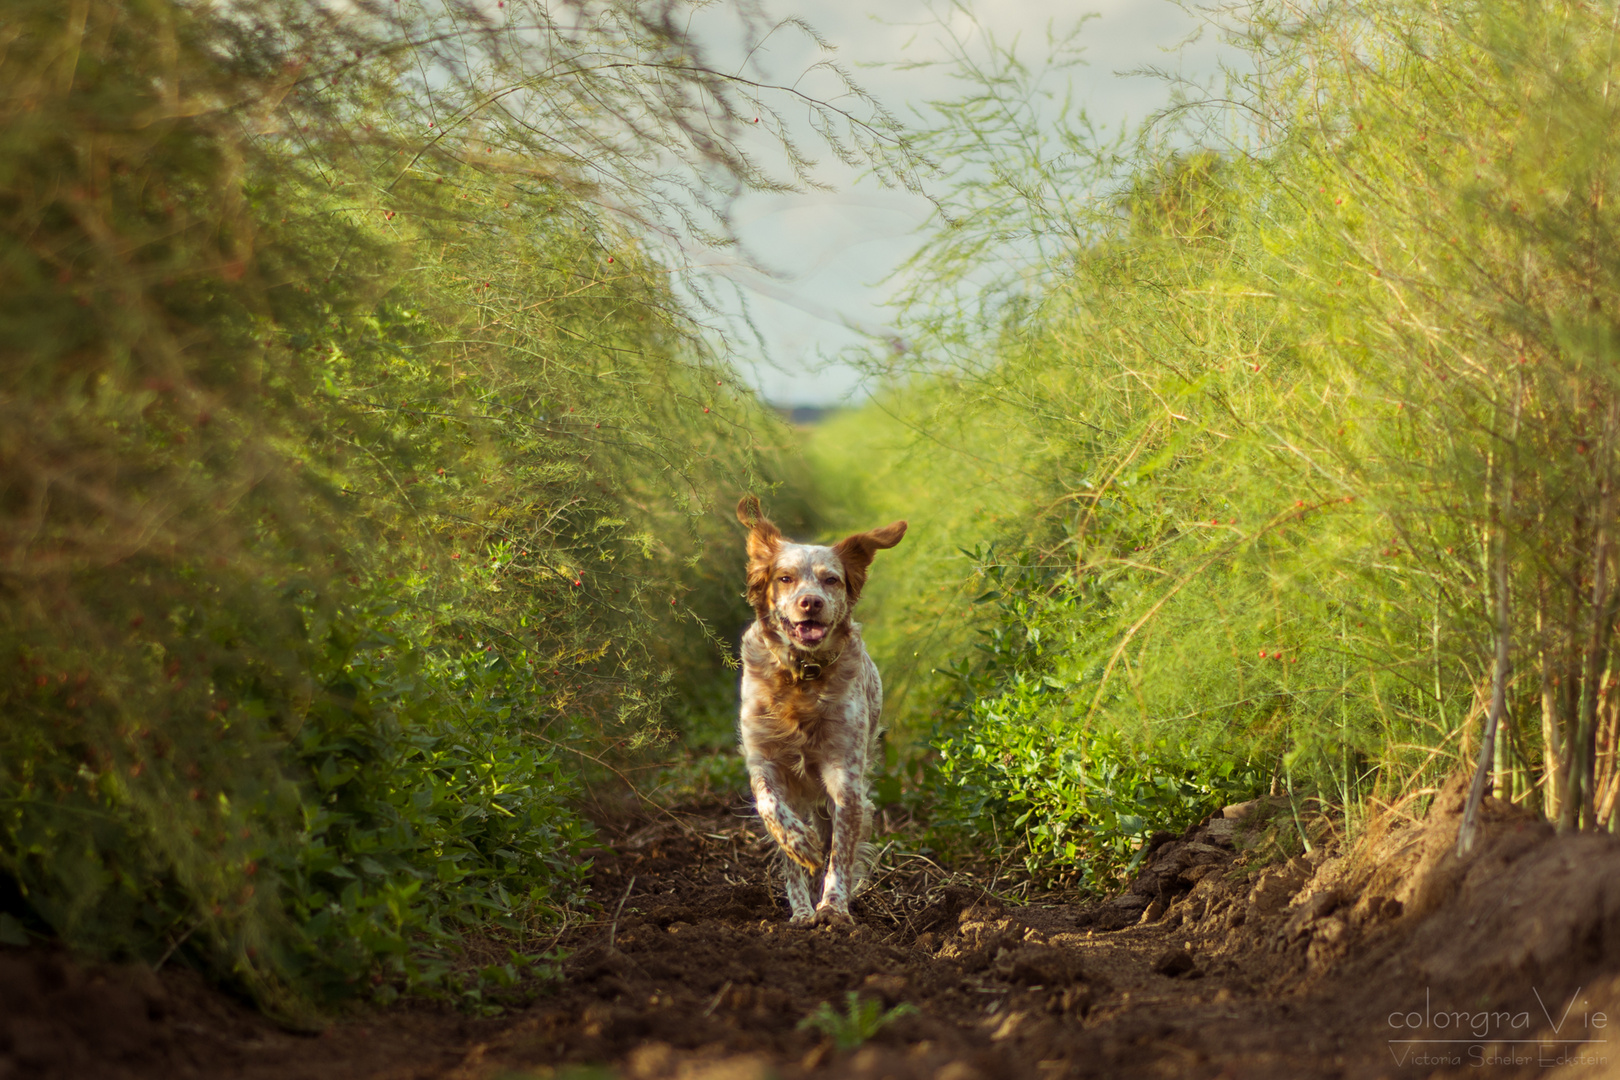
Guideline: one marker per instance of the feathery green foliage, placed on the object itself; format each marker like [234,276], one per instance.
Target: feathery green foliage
[861,1019]
[1292,406]
[357,461]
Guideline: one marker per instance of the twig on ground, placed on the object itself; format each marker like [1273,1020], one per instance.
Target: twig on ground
[714,1001]
[614,929]
[175,944]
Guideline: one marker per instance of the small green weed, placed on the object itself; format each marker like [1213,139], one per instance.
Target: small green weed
[859,1022]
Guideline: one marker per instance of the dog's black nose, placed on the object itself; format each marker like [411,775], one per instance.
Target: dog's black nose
[810,604]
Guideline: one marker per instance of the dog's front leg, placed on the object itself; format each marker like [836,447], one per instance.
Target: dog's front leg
[796,836]
[801,896]
[846,789]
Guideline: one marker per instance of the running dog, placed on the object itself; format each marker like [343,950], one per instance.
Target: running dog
[811,702]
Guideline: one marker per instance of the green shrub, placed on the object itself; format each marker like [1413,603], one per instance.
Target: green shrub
[437,805]
[1300,425]
[358,465]
[1019,758]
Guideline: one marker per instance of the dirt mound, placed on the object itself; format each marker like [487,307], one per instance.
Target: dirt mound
[58,1017]
[64,1020]
[1395,958]
[1529,907]
[1508,958]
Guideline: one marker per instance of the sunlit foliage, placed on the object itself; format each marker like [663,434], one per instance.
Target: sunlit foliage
[1297,402]
[357,460]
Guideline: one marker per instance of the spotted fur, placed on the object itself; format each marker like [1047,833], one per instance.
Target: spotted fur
[812,702]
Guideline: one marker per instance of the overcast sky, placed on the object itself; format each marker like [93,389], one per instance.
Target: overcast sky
[831,252]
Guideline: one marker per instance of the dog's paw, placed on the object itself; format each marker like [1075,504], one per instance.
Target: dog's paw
[807,918]
[828,915]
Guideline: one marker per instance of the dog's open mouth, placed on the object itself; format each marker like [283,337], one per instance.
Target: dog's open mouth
[807,633]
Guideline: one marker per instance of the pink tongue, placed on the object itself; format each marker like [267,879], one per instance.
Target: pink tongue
[809,632]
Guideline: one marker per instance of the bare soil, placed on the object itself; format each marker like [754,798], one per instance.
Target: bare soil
[1395,959]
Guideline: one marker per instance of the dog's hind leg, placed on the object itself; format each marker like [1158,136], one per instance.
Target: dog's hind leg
[851,817]
[866,853]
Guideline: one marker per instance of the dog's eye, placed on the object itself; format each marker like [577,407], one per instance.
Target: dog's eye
[786,579]
[829,581]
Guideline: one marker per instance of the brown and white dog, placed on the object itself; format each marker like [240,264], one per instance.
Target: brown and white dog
[811,703]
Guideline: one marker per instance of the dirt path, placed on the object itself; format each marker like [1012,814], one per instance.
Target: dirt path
[704,969]
[1205,969]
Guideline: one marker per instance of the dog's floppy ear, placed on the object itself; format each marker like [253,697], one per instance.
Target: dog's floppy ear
[764,539]
[857,552]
